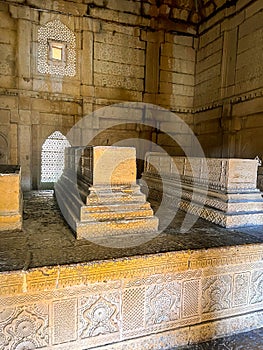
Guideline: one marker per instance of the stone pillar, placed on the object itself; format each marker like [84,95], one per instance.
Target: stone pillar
[228,69]
[228,73]
[24,16]
[153,43]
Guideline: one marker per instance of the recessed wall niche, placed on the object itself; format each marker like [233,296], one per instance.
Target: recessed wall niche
[56,49]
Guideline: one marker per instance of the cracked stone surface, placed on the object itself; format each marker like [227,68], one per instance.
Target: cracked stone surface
[47,240]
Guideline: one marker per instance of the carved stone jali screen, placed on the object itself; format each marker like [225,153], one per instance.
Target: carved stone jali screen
[98,194]
[223,191]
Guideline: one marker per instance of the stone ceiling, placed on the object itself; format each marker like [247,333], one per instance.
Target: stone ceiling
[184,11]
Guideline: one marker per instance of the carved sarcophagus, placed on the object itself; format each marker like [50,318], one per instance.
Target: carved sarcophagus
[105,199]
[223,191]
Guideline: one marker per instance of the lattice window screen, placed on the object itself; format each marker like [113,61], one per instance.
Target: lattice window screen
[52,157]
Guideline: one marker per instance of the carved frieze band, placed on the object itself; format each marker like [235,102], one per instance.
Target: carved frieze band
[99,313]
[50,278]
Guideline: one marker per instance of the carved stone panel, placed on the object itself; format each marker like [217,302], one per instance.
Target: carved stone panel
[163,303]
[56,49]
[24,327]
[99,315]
[216,293]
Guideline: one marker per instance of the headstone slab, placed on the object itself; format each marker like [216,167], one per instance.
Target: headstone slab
[114,166]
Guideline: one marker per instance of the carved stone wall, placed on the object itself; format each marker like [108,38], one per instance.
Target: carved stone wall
[228,86]
[114,51]
[160,300]
[95,63]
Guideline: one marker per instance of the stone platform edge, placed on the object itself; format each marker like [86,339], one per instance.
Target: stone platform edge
[175,297]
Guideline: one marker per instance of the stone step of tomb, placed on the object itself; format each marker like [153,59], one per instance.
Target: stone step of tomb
[107,195]
[110,196]
[105,211]
[115,212]
[104,223]
[118,227]
[226,202]
[228,220]
[68,200]
[9,221]
[68,211]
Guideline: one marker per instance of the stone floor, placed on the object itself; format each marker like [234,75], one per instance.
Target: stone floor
[46,238]
[252,340]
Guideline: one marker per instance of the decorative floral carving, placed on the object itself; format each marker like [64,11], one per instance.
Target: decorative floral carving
[216,293]
[22,328]
[163,303]
[99,315]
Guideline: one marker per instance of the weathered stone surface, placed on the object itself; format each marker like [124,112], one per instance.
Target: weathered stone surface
[114,204]
[121,54]
[212,292]
[222,191]
[11,198]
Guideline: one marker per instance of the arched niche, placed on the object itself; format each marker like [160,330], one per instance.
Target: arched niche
[52,158]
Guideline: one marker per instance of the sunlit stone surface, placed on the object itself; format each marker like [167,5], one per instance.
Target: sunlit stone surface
[175,290]
[10,198]
[222,191]
[112,201]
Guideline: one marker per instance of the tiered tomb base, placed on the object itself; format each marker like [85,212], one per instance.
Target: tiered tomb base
[10,198]
[98,194]
[223,191]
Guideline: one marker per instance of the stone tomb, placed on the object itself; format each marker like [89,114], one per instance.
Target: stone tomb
[226,194]
[105,200]
[10,198]
[260,178]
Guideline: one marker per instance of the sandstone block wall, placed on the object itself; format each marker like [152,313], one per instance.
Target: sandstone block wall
[228,86]
[129,51]
[115,51]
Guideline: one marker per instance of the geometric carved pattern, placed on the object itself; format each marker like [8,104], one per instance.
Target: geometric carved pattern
[190,298]
[163,303]
[241,287]
[52,157]
[65,321]
[256,287]
[229,194]
[133,308]
[24,327]
[99,315]
[57,32]
[216,294]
